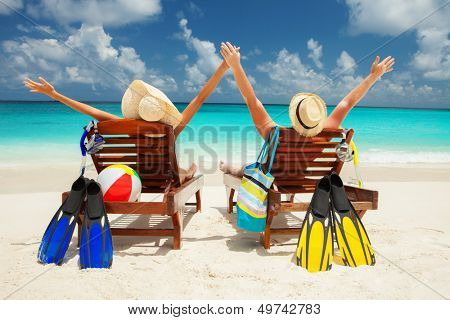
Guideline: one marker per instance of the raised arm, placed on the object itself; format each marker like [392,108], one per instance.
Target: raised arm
[343,108]
[204,93]
[263,122]
[46,88]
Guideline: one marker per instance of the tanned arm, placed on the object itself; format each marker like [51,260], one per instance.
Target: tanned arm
[343,108]
[46,88]
[204,93]
[263,122]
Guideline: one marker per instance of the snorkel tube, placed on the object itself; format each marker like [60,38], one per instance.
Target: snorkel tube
[83,149]
[356,163]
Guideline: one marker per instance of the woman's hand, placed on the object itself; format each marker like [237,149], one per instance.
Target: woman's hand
[339,113]
[224,65]
[379,68]
[230,54]
[43,87]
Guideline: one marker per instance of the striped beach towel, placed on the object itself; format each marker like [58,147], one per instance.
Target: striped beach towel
[255,185]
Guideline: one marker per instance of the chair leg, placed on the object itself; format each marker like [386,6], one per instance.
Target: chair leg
[230,196]
[198,200]
[361,213]
[177,228]
[291,197]
[265,239]
[265,236]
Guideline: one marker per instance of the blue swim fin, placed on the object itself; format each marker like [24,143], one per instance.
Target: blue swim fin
[96,248]
[59,232]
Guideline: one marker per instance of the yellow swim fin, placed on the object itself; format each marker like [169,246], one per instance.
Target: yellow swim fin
[315,243]
[351,236]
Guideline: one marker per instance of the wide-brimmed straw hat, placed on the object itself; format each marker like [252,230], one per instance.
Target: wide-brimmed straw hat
[143,101]
[308,113]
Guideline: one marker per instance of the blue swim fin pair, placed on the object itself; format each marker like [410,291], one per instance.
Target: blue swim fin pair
[96,250]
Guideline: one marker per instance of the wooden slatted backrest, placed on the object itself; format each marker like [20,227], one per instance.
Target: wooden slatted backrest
[147,147]
[300,161]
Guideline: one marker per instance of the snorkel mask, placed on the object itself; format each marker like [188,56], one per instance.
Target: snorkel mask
[344,152]
[347,153]
[93,145]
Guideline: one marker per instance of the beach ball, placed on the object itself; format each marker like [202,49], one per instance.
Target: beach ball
[120,183]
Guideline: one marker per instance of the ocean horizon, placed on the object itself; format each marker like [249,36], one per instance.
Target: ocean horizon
[181,103]
[36,131]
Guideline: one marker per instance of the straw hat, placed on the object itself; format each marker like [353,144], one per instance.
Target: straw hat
[143,101]
[308,113]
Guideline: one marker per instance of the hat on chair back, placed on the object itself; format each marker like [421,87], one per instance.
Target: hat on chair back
[143,101]
[308,113]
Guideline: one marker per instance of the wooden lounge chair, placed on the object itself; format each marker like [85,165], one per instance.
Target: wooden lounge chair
[299,162]
[149,148]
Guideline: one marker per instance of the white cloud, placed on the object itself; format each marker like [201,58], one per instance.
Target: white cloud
[195,78]
[387,17]
[289,75]
[384,17]
[194,9]
[8,6]
[52,58]
[207,58]
[130,61]
[23,28]
[255,52]
[288,72]
[35,49]
[95,12]
[315,52]
[181,57]
[345,64]
[77,75]
[40,28]
[433,56]
[94,42]
[87,56]
[46,29]
[394,90]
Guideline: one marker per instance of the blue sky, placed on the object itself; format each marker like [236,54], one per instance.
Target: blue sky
[91,49]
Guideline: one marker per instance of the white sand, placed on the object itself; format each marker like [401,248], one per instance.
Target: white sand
[410,233]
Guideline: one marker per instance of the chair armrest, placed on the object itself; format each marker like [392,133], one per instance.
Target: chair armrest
[362,199]
[355,194]
[231,181]
[179,196]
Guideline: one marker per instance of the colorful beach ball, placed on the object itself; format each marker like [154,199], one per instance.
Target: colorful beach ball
[120,183]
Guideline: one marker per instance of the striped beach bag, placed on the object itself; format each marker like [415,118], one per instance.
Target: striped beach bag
[255,185]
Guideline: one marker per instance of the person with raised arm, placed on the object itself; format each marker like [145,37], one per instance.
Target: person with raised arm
[46,88]
[307,111]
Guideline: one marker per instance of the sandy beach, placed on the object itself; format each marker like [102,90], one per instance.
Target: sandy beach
[410,233]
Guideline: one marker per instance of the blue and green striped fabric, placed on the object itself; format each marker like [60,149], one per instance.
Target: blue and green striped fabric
[255,185]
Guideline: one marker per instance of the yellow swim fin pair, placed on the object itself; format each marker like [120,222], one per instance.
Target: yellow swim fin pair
[331,216]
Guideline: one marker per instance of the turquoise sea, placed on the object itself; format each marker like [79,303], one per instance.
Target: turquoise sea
[49,131]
